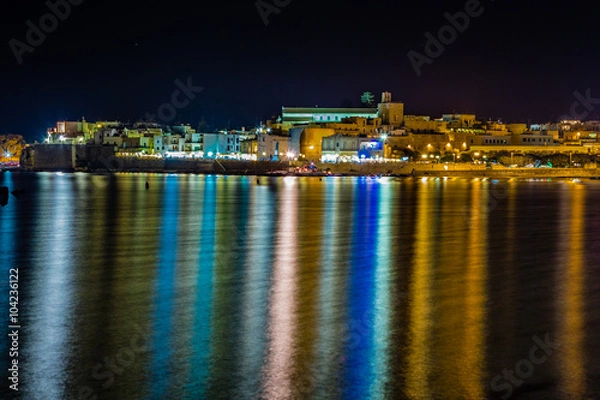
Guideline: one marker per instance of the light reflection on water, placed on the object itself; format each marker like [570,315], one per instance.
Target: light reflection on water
[218,287]
[571,290]
[282,322]
[51,325]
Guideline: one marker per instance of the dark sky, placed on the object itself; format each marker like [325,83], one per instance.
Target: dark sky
[517,61]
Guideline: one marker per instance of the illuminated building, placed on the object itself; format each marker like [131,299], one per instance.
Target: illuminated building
[303,116]
[424,124]
[391,113]
[273,147]
[216,144]
[351,148]
[460,120]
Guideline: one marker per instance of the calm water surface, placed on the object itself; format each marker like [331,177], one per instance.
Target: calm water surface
[219,288]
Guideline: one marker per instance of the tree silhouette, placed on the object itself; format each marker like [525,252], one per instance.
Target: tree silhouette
[11,147]
[367,99]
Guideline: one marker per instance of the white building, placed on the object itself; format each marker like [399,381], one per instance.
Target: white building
[220,144]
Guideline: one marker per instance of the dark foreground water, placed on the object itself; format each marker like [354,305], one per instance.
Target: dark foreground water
[216,287]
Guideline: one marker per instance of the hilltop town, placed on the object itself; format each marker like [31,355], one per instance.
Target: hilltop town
[380,133]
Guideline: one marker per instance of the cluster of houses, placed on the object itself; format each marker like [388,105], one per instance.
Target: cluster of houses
[381,133]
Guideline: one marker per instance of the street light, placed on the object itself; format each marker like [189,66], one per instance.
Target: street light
[383,139]
[570,159]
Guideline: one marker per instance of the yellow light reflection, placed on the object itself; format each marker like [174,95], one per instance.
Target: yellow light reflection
[131,278]
[473,346]
[571,300]
[449,289]
[506,312]
[419,357]
[310,239]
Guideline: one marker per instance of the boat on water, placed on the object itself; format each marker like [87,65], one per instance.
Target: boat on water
[375,176]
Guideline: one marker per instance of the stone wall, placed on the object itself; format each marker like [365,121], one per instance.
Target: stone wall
[53,157]
[102,158]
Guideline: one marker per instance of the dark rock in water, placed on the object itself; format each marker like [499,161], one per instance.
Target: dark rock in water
[3,196]
[17,193]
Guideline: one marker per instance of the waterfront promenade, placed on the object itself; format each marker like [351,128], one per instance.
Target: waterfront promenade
[220,167]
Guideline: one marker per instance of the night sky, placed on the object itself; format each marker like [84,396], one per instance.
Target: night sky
[520,61]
